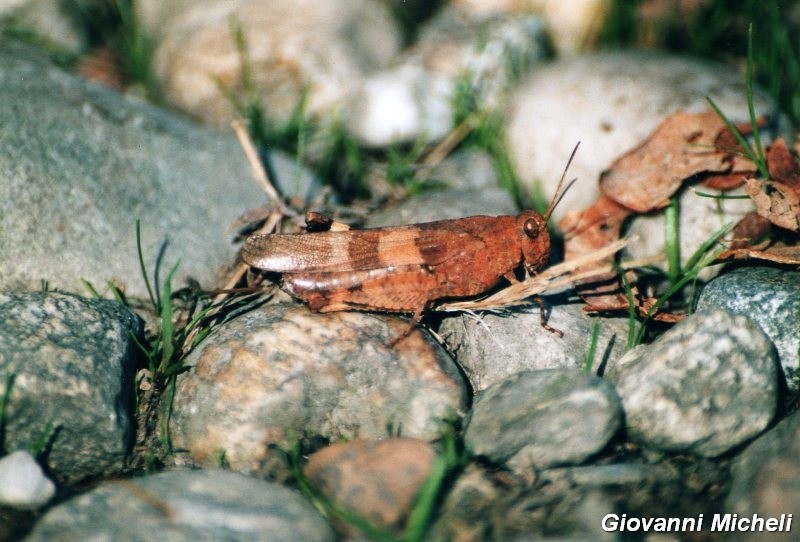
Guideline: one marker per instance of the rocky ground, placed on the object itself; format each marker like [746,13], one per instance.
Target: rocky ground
[283,424]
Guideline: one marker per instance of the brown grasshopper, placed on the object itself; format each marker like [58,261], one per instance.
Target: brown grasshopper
[404,268]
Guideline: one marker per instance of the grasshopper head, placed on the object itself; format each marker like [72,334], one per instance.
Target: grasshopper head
[534,240]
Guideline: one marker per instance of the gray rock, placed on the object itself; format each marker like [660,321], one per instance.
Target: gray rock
[22,482]
[705,386]
[185,506]
[80,163]
[465,169]
[434,205]
[538,419]
[470,188]
[765,478]
[610,102]
[274,375]
[495,347]
[72,362]
[498,506]
[771,297]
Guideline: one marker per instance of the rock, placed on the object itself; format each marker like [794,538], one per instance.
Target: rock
[72,363]
[22,482]
[705,386]
[539,419]
[558,106]
[495,506]
[765,476]
[185,506]
[769,296]
[91,162]
[448,204]
[378,480]
[294,373]
[495,347]
[399,105]
[572,24]
[322,49]
[49,19]
[465,169]
[699,218]
[470,187]
[416,98]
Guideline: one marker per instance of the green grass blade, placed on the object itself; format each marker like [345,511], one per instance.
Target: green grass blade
[90,288]
[761,162]
[720,196]
[142,267]
[626,285]
[39,445]
[167,329]
[587,364]
[672,241]
[693,260]
[4,408]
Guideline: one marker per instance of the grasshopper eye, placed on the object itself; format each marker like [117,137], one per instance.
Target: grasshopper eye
[532,228]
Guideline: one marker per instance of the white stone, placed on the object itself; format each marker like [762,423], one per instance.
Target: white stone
[401,105]
[22,483]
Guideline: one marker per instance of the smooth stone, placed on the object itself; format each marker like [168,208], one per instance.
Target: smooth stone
[22,483]
[444,205]
[79,164]
[493,347]
[705,386]
[463,184]
[540,419]
[315,51]
[185,506]
[770,296]
[378,480]
[484,505]
[610,102]
[72,362]
[765,479]
[274,375]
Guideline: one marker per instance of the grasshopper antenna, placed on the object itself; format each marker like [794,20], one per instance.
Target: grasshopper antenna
[560,193]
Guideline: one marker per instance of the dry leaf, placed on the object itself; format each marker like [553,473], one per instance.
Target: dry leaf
[777,202]
[749,230]
[682,146]
[595,227]
[783,167]
[786,255]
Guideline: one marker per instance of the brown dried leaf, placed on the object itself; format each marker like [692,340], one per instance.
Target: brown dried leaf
[584,233]
[727,181]
[783,167]
[787,255]
[683,145]
[777,202]
[592,228]
[749,230]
